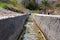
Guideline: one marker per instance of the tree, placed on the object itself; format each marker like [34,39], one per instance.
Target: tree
[30,4]
[44,5]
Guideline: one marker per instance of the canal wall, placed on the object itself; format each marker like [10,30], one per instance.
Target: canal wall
[11,28]
[11,24]
[49,25]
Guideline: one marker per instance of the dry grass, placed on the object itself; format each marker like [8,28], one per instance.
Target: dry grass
[35,11]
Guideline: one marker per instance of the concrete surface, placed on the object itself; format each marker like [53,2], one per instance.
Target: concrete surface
[11,24]
[30,32]
[49,24]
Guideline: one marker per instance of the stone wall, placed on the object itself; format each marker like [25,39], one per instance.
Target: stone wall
[49,24]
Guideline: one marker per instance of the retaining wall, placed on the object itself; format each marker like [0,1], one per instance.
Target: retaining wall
[49,24]
[10,28]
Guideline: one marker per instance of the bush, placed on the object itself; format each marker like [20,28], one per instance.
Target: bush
[13,2]
[3,5]
[57,5]
[31,5]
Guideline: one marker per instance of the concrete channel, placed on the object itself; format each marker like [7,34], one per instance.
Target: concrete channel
[11,24]
[32,30]
[49,25]
[15,26]
[30,33]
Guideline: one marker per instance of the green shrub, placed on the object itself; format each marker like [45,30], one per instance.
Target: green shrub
[57,5]
[3,5]
[13,2]
[31,5]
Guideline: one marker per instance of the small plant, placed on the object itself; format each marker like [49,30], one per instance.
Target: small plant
[13,2]
[3,5]
[17,6]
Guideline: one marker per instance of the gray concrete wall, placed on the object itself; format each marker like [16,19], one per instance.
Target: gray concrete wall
[49,24]
[10,28]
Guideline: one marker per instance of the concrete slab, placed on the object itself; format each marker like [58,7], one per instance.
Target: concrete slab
[11,24]
[49,24]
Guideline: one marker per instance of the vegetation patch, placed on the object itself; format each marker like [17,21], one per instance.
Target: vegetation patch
[3,5]
[32,5]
